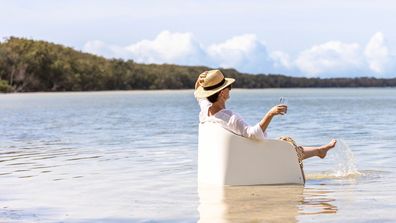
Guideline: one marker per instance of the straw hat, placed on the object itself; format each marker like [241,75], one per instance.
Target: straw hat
[211,82]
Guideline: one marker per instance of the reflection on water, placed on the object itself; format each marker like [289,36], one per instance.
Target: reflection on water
[262,203]
[317,201]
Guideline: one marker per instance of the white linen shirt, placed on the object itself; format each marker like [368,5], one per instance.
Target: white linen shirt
[231,121]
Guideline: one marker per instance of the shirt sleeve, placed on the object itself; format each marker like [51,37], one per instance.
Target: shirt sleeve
[204,104]
[242,128]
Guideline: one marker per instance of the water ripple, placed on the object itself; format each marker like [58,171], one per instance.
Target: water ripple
[132,155]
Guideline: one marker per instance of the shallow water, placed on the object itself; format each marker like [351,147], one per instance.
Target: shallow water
[131,157]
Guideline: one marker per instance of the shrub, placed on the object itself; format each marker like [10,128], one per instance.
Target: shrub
[4,87]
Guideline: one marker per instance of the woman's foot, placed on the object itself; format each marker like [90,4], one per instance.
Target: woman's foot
[323,149]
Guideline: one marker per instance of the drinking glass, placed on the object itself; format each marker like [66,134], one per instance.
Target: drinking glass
[283,100]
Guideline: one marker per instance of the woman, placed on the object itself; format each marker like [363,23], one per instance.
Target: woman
[212,91]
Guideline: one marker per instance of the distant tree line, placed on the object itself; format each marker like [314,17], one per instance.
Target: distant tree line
[29,66]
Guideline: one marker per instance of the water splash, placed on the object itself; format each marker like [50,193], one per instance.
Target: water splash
[344,164]
[344,160]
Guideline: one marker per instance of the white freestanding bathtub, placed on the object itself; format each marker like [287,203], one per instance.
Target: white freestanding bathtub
[228,159]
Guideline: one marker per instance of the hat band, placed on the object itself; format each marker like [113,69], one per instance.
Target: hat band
[214,86]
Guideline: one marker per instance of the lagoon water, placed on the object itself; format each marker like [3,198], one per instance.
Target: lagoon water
[131,157]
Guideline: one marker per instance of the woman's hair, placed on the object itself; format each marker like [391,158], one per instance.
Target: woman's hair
[213,98]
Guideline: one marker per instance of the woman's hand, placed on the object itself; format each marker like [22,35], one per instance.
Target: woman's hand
[280,109]
[201,79]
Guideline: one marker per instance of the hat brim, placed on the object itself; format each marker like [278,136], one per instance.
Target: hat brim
[201,93]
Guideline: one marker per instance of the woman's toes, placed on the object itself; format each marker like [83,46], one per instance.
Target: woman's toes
[331,144]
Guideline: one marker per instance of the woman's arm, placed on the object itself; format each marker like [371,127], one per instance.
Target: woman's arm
[197,83]
[276,110]
[237,125]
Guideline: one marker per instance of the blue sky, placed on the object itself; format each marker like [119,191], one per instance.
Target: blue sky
[300,38]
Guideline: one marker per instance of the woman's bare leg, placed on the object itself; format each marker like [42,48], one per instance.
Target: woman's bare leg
[320,151]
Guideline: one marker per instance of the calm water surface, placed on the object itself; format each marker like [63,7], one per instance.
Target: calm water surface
[131,157]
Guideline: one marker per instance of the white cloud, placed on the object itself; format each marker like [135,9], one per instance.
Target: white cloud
[101,48]
[377,54]
[335,58]
[244,52]
[332,58]
[167,47]
[248,54]
[281,60]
